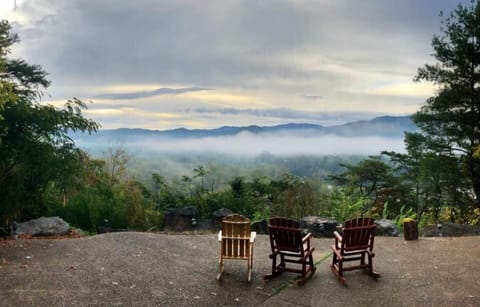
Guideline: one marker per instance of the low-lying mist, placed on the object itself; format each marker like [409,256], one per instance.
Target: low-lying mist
[247,155]
[254,144]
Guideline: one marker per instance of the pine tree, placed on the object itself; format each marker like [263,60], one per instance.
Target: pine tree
[451,119]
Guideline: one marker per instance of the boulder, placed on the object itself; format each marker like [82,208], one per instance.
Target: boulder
[261,227]
[204,225]
[221,213]
[5,232]
[450,230]
[44,226]
[319,226]
[181,219]
[386,228]
[217,217]
[105,227]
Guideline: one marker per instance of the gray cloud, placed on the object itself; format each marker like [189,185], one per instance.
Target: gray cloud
[144,94]
[312,97]
[282,47]
[168,41]
[325,118]
[226,42]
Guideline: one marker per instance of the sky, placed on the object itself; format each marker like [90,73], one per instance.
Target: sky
[205,64]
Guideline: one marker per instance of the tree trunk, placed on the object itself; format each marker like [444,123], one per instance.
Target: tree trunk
[410,230]
[475,176]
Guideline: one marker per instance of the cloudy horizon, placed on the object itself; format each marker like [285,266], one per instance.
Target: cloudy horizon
[198,64]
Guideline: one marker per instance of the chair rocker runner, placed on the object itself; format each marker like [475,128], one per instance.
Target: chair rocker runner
[236,242]
[353,244]
[288,244]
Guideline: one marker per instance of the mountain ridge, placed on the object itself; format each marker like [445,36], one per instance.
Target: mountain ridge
[384,126]
[358,137]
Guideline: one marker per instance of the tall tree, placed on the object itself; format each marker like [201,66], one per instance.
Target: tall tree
[451,119]
[34,141]
[408,165]
[370,179]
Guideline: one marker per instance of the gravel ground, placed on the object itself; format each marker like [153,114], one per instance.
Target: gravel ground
[149,269]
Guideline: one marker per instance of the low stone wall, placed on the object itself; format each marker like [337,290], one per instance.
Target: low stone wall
[181,219]
[319,227]
[450,230]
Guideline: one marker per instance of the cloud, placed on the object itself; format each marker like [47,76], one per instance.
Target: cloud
[144,94]
[268,52]
[225,42]
[291,114]
[312,97]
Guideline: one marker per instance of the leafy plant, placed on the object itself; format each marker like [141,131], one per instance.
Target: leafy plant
[400,219]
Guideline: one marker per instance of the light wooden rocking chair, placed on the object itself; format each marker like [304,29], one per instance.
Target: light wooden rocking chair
[236,242]
[353,244]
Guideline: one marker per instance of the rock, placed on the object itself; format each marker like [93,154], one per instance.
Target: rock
[261,227]
[319,226]
[204,225]
[450,230]
[217,217]
[44,226]
[5,232]
[386,228]
[104,228]
[221,213]
[181,219]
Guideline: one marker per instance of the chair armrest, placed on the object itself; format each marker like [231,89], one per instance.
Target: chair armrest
[220,236]
[337,236]
[306,237]
[253,235]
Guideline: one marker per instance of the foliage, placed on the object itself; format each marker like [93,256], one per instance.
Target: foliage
[373,180]
[450,120]
[405,214]
[342,205]
[36,152]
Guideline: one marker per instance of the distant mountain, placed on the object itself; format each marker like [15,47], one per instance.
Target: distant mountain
[385,126]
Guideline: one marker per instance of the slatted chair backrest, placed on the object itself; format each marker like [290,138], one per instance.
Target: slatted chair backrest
[236,237]
[285,234]
[358,233]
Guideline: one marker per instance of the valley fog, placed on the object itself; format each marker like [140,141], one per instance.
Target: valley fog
[254,144]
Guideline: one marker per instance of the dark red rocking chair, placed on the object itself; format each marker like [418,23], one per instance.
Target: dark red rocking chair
[290,246]
[355,242]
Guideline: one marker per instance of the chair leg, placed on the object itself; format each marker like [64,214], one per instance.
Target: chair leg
[282,260]
[370,267]
[312,264]
[220,268]
[337,268]
[308,269]
[249,273]
[302,280]
[275,269]
[335,264]
[250,265]
[340,268]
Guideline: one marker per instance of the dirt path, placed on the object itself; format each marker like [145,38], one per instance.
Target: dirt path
[146,269]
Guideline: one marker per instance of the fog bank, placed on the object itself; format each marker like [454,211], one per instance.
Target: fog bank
[254,144]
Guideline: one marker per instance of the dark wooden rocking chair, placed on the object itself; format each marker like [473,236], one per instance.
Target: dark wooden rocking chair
[353,244]
[236,242]
[287,242]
